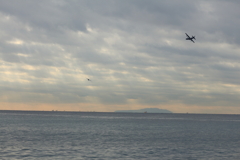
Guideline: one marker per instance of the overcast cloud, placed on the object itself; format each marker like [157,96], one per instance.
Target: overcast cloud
[134,52]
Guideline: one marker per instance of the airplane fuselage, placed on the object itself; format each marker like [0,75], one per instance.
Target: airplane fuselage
[190,38]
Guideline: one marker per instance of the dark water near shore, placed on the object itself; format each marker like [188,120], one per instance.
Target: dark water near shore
[79,135]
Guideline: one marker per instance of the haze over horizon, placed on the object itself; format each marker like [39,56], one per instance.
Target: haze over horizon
[134,53]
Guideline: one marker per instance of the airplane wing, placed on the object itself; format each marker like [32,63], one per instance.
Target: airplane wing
[192,40]
[187,35]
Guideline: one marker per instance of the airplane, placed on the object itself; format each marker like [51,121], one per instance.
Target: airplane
[88,79]
[190,38]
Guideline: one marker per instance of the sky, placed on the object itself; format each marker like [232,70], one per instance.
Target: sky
[134,51]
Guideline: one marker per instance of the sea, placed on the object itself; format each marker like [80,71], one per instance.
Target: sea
[46,135]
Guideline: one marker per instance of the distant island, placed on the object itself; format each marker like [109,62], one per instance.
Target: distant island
[146,110]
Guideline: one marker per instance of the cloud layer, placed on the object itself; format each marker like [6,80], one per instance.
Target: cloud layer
[134,52]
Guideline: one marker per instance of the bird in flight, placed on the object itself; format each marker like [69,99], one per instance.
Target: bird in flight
[190,38]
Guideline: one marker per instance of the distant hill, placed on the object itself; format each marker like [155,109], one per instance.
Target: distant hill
[146,110]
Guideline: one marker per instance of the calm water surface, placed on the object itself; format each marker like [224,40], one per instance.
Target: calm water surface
[79,135]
